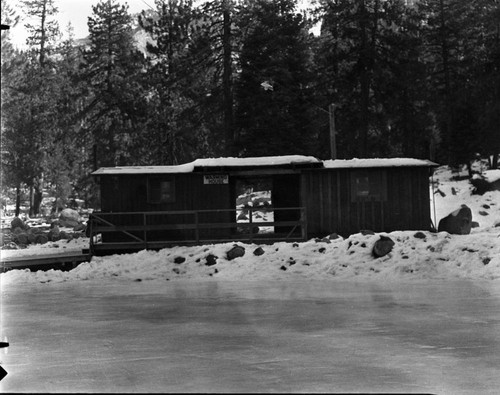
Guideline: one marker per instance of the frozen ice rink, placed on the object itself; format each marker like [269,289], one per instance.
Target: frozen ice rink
[257,336]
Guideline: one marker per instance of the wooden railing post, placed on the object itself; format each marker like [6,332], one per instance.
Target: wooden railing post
[197,229]
[250,224]
[303,218]
[145,233]
[91,234]
[129,227]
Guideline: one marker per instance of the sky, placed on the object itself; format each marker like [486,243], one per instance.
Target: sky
[77,12]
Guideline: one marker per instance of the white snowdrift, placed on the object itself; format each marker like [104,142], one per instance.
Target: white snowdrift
[437,256]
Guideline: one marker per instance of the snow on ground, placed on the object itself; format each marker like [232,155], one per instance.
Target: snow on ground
[434,256]
[449,194]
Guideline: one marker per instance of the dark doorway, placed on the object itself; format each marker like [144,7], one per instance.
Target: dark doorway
[286,194]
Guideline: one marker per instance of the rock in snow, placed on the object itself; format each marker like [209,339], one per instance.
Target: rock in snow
[382,246]
[459,222]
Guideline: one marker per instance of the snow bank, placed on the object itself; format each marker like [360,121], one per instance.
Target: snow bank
[423,255]
[451,191]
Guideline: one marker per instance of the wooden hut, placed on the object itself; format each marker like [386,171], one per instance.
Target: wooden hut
[261,199]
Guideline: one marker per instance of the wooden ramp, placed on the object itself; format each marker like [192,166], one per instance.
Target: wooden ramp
[66,260]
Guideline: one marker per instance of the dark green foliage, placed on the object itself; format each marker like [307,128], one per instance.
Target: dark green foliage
[115,103]
[461,39]
[273,94]
[246,78]
[173,84]
[44,30]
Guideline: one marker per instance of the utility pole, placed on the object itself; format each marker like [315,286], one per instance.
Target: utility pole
[333,142]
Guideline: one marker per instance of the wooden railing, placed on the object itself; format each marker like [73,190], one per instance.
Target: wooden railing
[159,229]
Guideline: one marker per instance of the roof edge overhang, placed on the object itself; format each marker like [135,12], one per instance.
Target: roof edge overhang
[294,163]
[214,165]
[377,163]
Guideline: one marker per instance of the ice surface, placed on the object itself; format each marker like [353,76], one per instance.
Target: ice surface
[118,335]
[306,317]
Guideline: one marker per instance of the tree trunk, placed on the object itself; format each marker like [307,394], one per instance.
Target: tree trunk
[494,161]
[226,81]
[447,85]
[31,201]
[364,85]
[43,34]
[18,200]
[37,200]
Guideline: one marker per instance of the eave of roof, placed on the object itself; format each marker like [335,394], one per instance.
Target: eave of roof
[290,161]
[216,164]
[377,162]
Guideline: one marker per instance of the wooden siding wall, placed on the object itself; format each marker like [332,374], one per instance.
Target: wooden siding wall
[330,207]
[128,193]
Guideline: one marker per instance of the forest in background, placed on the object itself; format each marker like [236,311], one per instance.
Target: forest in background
[244,78]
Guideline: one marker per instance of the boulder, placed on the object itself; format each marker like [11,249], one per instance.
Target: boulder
[69,218]
[17,223]
[54,234]
[242,217]
[41,238]
[419,235]
[35,231]
[10,246]
[17,230]
[211,260]
[179,259]
[382,246]
[22,238]
[65,236]
[481,186]
[235,252]
[79,228]
[258,251]
[31,237]
[366,232]
[459,222]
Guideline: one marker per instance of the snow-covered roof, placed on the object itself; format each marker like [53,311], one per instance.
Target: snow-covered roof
[212,162]
[264,161]
[376,162]
[185,168]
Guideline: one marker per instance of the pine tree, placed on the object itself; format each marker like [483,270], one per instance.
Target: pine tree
[177,89]
[216,41]
[10,18]
[369,63]
[31,89]
[454,40]
[112,68]
[43,29]
[273,94]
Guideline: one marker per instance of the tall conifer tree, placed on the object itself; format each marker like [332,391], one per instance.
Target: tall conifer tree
[112,67]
